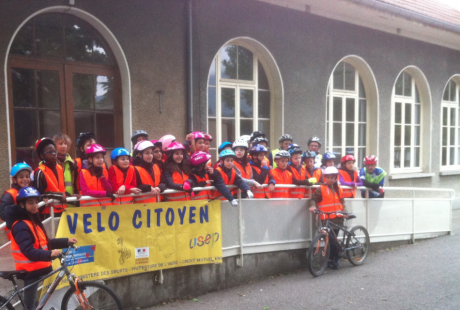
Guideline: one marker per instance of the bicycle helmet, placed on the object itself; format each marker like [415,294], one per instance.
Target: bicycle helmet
[314,139]
[294,149]
[226,153]
[26,193]
[244,138]
[282,154]
[157,143]
[308,154]
[327,156]
[347,158]
[198,135]
[207,136]
[330,170]
[119,151]
[83,137]
[18,168]
[42,143]
[371,159]
[198,158]
[257,149]
[139,133]
[238,143]
[166,141]
[224,145]
[285,137]
[94,149]
[258,140]
[174,147]
[256,134]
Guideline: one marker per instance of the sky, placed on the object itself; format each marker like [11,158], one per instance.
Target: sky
[453,3]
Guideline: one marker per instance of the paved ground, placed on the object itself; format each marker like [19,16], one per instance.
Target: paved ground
[425,275]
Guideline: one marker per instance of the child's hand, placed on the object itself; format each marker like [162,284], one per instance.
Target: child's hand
[135,191]
[55,253]
[271,187]
[265,163]
[209,182]
[77,195]
[155,190]
[209,169]
[121,190]
[312,209]
[257,185]
[72,241]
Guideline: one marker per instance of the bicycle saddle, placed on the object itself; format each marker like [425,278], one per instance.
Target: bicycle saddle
[8,275]
[351,216]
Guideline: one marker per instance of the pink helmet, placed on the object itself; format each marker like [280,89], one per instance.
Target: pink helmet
[157,143]
[166,141]
[175,146]
[207,136]
[198,135]
[199,158]
[95,148]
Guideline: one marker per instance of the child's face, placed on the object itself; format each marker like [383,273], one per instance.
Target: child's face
[87,144]
[239,151]
[296,159]
[207,145]
[309,162]
[199,145]
[97,160]
[141,138]
[62,146]
[330,179]
[147,155]
[282,163]
[349,164]
[329,163]
[31,205]
[370,168]
[285,144]
[157,153]
[178,156]
[22,178]
[314,146]
[123,161]
[49,154]
[227,162]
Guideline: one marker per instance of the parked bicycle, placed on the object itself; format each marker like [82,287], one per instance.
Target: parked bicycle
[83,295]
[354,243]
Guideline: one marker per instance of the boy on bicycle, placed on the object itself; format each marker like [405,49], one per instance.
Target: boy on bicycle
[329,198]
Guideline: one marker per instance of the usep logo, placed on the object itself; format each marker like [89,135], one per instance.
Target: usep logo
[82,255]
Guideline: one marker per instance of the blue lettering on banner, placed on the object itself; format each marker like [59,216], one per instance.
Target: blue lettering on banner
[191,218]
[137,214]
[72,225]
[87,223]
[204,214]
[158,212]
[114,216]
[182,214]
[100,228]
[170,216]
[148,218]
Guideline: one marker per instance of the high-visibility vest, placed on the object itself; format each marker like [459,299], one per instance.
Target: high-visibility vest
[259,193]
[205,194]
[298,192]
[14,193]
[245,172]
[349,192]
[41,242]
[147,179]
[331,201]
[179,178]
[274,165]
[227,181]
[105,171]
[281,177]
[130,175]
[94,183]
[53,185]
[68,176]
[318,175]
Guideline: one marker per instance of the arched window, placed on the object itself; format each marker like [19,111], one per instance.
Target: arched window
[239,96]
[62,78]
[450,158]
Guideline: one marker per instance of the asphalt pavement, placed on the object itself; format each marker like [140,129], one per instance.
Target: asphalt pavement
[424,275]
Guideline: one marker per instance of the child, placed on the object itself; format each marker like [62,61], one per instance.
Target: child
[196,141]
[284,142]
[94,179]
[297,169]
[314,144]
[227,173]
[20,176]
[122,175]
[32,250]
[148,172]
[348,176]
[224,146]
[70,168]
[328,160]
[373,177]
[138,136]
[200,175]
[308,158]
[283,176]
[49,176]
[263,141]
[260,172]
[241,163]
[176,173]
[254,135]
[329,198]
[84,141]
[207,142]
[165,143]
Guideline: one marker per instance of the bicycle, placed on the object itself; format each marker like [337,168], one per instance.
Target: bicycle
[354,243]
[97,296]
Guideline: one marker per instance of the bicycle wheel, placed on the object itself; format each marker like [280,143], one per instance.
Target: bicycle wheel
[359,241]
[318,254]
[7,305]
[99,296]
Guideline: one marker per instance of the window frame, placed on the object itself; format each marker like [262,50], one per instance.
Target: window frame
[449,105]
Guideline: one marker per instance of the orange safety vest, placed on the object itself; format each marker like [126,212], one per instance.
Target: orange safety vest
[331,201]
[105,171]
[318,175]
[205,194]
[130,174]
[245,172]
[308,176]
[298,192]
[13,192]
[281,177]
[179,178]
[53,185]
[147,179]
[216,193]
[259,193]
[41,242]
[93,183]
[349,192]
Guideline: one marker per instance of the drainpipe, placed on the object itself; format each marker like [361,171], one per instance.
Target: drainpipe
[190,69]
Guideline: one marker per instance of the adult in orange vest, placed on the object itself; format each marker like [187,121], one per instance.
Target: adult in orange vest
[20,178]
[282,175]
[148,172]
[49,176]
[241,163]
[328,160]
[260,172]
[94,180]
[31,248]
[176,173]
[201,175]
[308,159]
[329,198]
[122,175]
[348,176]
[298,171]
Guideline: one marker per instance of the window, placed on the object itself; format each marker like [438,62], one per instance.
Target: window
[346,125]
[450,157]
[62,78]
[239,98]
[407,124]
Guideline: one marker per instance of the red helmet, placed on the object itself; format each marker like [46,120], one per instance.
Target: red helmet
[207,136]
[347,158]
[369,160]
[40,144]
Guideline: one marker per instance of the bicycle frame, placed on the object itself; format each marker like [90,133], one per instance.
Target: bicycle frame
[330,226]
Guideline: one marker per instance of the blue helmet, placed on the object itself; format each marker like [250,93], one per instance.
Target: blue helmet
[258,149]
[327,156]
[308,154]
[294,149]
[26,193]
[19,167]
[226,153]
[224,145]
[119,151]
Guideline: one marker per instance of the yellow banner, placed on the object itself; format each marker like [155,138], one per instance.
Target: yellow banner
[122,240]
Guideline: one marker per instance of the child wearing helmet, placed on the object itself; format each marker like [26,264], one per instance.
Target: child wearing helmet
[373,177]
[94,179]
[308,159]
[260,172]
[227,145]
[148,171]
[176,172]
[207,142]
[298,171]
[138,136]
[31,248]
[63,143]
[84,141]
[241,164]
[329,198]
[195,142]
[284,142]
[200,175]
[122,175]
[348,176]
[314,144]
[165,142]
[328,160]
[263,141]
[20,178]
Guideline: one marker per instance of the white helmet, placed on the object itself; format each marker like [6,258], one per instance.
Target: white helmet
[282,154]
[240,143]
[143,145]
[330,170]
[244,138]
[166,141]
